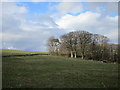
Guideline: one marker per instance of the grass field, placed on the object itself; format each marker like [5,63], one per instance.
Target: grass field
[57,72]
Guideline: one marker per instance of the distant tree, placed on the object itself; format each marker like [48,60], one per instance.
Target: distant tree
[103,44]
[84,39]
[70,41]
[93,46]
[53,45]
[66,41]
[85,45]
[113,55]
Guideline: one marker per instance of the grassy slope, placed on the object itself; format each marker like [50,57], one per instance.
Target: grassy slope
[19,52]
[57,72]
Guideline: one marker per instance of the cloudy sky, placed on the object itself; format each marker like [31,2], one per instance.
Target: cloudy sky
[28,25]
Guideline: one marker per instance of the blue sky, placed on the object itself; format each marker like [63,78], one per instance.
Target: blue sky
[40,8]
[28,25]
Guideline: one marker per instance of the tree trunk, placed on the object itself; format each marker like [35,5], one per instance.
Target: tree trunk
[71,54]
[82,56]
[75,55]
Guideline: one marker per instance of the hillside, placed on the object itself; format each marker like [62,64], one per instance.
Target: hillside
[19,52]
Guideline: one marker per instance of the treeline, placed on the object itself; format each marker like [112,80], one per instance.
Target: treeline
[84,45]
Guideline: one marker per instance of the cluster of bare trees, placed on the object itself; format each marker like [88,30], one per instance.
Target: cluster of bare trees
[84,45]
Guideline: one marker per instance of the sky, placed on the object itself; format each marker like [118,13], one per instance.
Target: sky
[28,25]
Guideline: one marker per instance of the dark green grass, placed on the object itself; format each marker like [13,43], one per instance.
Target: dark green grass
[57,72]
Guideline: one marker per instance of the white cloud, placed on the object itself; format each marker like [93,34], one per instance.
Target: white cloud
[26,34]
[104,8]
[13,9]
[92,22]
[11,47]
[8,37]
[75,22]
[69,7]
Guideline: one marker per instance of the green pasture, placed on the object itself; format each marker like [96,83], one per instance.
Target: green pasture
[43,71]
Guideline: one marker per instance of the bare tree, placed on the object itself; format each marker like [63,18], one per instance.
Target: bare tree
[84,39]
[53,45]
[85,45]
[66,41]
